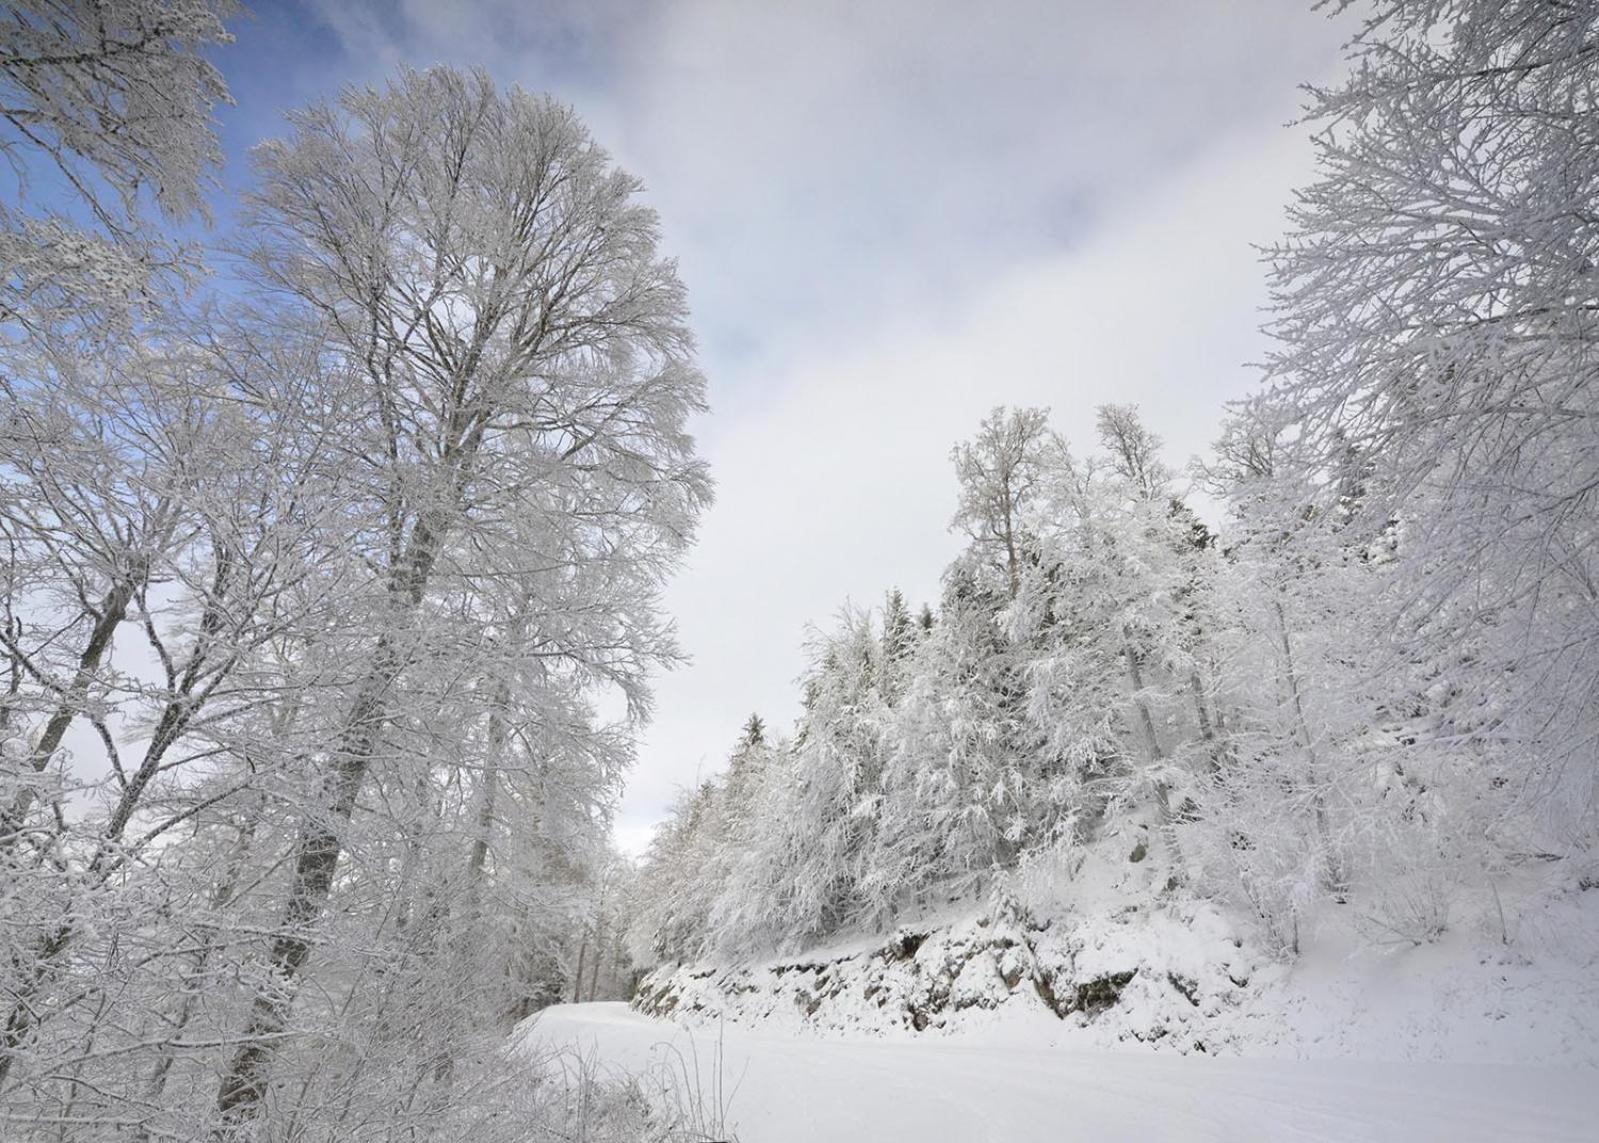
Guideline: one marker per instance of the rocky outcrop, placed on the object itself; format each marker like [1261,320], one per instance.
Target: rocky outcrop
[1154,977]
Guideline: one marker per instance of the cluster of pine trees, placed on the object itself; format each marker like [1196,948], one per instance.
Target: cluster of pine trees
[328,588]
[1377,680]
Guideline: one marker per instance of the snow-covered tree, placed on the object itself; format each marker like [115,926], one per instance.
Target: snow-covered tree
[955,795]
[313,596]
[520,374]
[1434,310]
[105,111]
[1001,472]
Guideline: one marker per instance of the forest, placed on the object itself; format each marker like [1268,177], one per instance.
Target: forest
[1372,673]
[333,542]
[310,585]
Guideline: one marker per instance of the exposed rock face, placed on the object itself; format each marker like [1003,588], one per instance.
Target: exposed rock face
[1160,975]
[1169,972]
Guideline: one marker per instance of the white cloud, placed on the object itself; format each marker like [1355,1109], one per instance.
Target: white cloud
[834,161]
[820,165]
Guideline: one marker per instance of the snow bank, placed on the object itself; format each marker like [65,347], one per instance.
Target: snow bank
[1163,975]
[1177,974]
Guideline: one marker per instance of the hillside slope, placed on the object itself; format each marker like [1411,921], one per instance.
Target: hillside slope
[1129,963]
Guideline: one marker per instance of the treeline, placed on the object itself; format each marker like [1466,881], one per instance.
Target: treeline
[312,587]
[1377,682]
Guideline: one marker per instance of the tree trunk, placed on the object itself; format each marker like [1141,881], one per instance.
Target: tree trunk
[1146,721]
[112,610]
[1207,731]
[491,780]
[1152,741]
[316,860]
[22,1018]
[318,848]
[599,938]
[221,898]
[1333,867]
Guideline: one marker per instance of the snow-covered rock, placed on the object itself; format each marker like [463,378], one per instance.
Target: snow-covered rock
[1151,975]
[1178,975]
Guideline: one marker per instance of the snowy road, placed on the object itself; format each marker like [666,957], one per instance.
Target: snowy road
[936,1090]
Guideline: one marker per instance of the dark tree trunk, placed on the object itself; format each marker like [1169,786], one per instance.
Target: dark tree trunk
[112,610]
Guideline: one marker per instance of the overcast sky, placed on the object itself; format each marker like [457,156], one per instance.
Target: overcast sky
[891,216]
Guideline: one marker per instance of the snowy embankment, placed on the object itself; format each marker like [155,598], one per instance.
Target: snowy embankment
[1168,972]
[1137,1010]
[783,1088]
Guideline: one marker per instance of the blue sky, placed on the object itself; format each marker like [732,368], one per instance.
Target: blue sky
[891,216]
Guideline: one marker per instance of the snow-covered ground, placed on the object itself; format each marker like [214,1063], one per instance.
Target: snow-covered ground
[783,1087]
[1126,1008]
